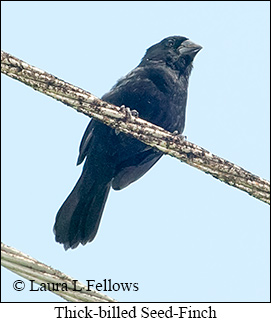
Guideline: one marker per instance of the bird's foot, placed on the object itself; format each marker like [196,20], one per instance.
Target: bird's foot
[135,113]
[128,112]
[179,135]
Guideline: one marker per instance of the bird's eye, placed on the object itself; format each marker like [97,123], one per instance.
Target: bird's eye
[170,43]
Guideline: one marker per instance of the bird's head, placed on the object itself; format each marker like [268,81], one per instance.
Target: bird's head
[176,51]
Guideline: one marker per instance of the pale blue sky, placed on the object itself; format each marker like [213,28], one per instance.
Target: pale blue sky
[178,233]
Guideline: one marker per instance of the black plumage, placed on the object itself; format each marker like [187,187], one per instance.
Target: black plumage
[157,90]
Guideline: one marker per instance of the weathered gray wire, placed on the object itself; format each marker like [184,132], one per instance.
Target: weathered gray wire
[31,269]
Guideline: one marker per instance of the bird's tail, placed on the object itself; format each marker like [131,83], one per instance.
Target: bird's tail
[78,219]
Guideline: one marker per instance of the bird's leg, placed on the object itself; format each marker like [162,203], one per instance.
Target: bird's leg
[179,135]
[135,113]
[128,112]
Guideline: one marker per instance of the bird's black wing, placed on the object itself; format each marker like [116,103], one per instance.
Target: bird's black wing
[140,90]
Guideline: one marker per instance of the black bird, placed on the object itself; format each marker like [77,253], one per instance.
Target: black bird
[157,90]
